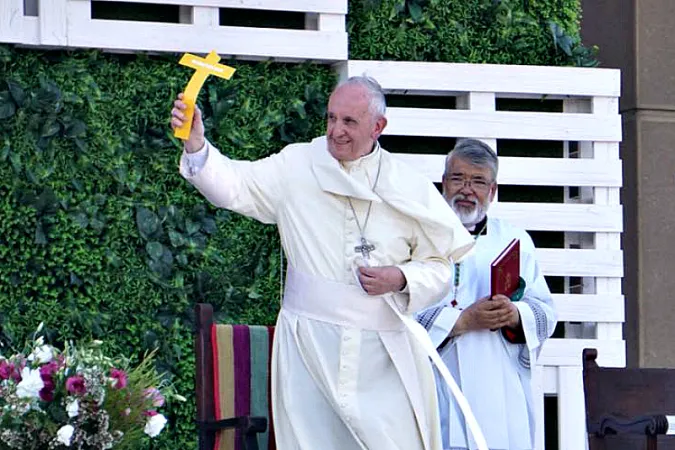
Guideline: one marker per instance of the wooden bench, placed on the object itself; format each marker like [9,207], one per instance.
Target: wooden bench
[627,408]
[232,384]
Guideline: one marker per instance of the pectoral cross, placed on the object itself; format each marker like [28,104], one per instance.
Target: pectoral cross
[365,248]
[203,68]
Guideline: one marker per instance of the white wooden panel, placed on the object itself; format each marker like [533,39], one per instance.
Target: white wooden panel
[484,102]
[11,21]
[571,409]
[503,125]
[323,6]
[53,20]
[550,374]
[537,382]
[526,171]
[256,42]
[560,216]
[567,352]
[451,78]
[29,31]
[331,22]
[589,308]
[206,16]
[580,263]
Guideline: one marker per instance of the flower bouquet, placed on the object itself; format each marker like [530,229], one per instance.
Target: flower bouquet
[78,398]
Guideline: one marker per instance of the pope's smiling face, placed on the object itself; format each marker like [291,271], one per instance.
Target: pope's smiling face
[351,127]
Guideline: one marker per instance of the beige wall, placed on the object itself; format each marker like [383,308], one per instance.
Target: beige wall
[638,37]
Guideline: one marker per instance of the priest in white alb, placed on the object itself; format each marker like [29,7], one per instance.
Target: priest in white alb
[363,234]
[492,368]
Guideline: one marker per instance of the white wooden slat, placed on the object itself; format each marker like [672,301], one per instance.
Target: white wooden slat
[524,171]
[318,6]
[325,22]
[451,78]
[330,22]
[205,16]
[560,216]
[484,102]
[11,21]
[29,31]
[590,308]
[288,45]
[567,352]
[580,262]
[53,22]
[571,409]
[503,125]
[550,383]
[537,384]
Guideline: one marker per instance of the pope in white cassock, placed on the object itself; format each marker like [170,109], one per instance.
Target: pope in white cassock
[363,234]
[491,367]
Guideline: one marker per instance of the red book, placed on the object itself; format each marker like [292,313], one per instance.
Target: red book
[505,270]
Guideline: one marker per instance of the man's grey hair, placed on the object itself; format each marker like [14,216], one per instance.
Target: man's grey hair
[378,104]
[475,152]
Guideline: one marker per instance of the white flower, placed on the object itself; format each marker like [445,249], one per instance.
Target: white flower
[65,434]
[73,408]
[43,354]
[154,425]
[30,384]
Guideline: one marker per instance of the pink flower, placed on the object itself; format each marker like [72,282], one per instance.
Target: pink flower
[6,370]
[150,413]
[75,385]
[48,370]
[47,393]
[16,372]
[156,396]
[119,377]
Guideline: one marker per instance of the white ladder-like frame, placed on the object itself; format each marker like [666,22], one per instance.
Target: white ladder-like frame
[591,220]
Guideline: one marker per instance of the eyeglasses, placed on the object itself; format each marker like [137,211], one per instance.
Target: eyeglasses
[477,184]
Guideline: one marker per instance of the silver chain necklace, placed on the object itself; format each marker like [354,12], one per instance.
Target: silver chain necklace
[365,248]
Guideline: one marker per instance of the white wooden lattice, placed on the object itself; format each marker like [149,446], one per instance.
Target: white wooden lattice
[69,23]
[590,174]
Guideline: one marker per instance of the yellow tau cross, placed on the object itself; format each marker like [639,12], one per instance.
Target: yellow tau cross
[203,68]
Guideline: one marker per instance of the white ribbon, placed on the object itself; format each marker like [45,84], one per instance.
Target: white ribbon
[422,337]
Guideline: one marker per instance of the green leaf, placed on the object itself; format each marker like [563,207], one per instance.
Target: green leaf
[176,238]
[415,11]
[17,93]
[147,222]
[50,128]
[40,236]
[209,225]
[4,154]
[7,106]
[76,128]
[155,250]
[192,227]
[81,219]
[15,160]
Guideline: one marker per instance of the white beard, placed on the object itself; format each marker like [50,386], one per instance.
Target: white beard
[469,218]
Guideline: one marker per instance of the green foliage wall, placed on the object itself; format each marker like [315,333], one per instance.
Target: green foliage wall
[101,237]
[535,32]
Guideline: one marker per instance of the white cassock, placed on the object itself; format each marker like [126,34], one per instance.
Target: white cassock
[346,375]
[494,374]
